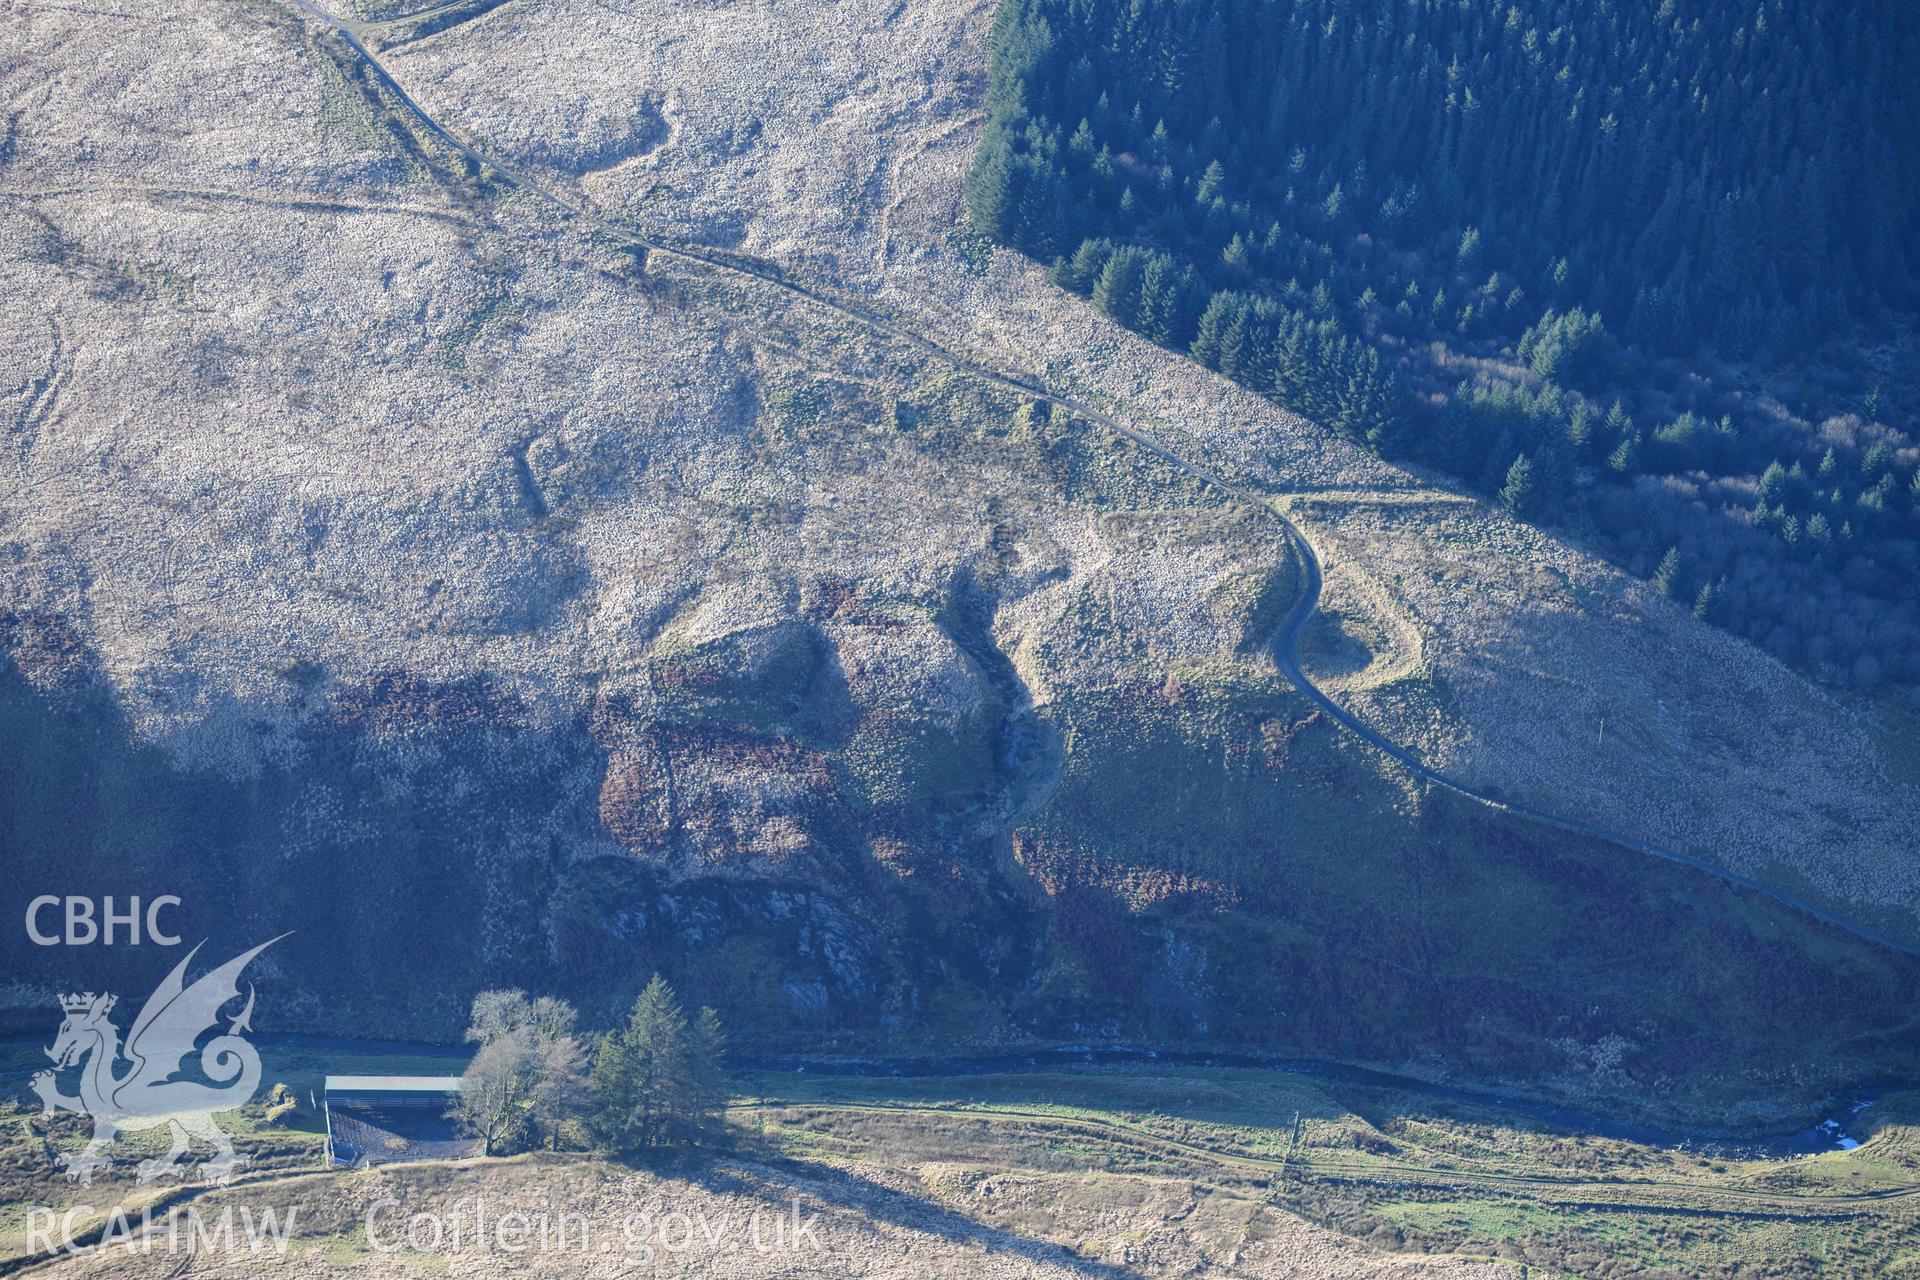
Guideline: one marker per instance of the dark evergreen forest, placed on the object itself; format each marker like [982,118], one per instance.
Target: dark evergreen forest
[1307,195]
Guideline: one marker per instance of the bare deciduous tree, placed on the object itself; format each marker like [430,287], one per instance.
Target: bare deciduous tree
[529,1077]
[496,1092]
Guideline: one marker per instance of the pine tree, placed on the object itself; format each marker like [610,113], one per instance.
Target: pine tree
[707,1088]
[1117,292]
[1212,328]
[1467,256]
[1666,577]
[1518,495]
[1334,207]
[1081,271]
[1237,258]
[1617,423]
[1159,287]
[1082,143]
[1368,401]
[1773,484]
[1212,184]
[1233,344]
[1706,603]
[992,200]
[655,1081]
[1579,428]
[1625,459]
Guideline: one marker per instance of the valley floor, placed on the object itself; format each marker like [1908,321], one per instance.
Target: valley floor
[1104,1170]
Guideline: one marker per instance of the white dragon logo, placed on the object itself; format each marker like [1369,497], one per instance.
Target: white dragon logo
[148,1095]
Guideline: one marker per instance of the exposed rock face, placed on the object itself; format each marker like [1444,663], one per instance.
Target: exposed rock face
[388,556]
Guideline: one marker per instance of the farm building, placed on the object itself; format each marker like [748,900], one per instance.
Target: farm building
[383,1119]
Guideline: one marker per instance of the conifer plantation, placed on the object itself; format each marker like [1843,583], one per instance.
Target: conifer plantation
[1329,201]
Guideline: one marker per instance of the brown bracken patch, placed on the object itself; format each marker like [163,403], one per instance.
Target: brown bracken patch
[397,703]
[633,801]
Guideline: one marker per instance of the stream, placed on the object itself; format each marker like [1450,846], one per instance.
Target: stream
[20,1054]
[1828,1135]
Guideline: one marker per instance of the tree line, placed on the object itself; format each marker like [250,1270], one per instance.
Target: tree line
[1299,193]
[1742,174]
[1298,354]
[536,1081]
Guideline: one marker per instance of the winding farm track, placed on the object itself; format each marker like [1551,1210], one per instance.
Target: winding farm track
[1647,1195]
[1286,644]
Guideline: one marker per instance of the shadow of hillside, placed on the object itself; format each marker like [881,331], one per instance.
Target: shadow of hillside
[840,1190]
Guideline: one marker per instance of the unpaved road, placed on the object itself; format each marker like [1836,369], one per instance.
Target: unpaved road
[1645,1195]
[1286,643]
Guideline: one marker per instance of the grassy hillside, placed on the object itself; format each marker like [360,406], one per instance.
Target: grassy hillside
[1050,794]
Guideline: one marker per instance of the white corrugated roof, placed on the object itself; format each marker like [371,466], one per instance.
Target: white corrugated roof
[393,1084]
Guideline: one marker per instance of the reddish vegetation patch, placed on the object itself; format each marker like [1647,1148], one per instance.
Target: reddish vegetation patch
[901,859]
[730,795]
[613,722]
[398,703]
[695,673]
[839,601]
[633,801]
[732,749]
[1277,736]
[948,884]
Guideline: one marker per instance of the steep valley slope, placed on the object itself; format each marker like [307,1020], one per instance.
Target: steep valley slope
[394,555]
